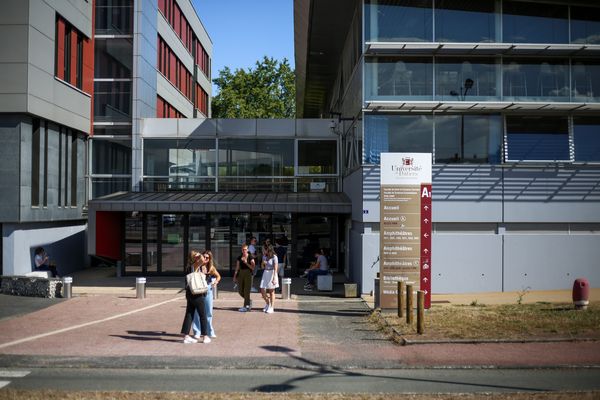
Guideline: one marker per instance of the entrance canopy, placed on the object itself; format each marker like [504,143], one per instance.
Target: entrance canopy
[175,202]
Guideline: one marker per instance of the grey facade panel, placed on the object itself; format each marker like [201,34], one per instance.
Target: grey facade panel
[276,127]
[541,262]
[14,43]
[236,127]
[466,263]
[10,135]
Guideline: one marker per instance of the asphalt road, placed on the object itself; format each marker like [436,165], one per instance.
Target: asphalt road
[473,380]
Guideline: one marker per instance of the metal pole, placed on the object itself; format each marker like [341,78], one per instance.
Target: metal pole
[140,288]
[409,303]
[420,312]
[400,299]
[67,287]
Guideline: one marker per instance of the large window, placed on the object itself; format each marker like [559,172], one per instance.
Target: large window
[585,80]
[535,79]
[317,157]
[396,133]
[112,101]
[460,79]
[472,21]
[111,156]
[586,135]
[114,17]
[256,157]
[542,138]
[113,58]
[524,22]
[585,25]
[468,139]
[179,158]
[72,52]
[387,78]
[399,21]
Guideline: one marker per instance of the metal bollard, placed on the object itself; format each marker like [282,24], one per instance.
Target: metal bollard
[286,288]
[376,293]
[140,288]
[67,287]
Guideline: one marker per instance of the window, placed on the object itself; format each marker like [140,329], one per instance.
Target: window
[171,157]
[535,79]
[111,156]
[396,133]
[112,101]
[585,80]
[387,77]
[472,21]
[317,157]
[460,79]
[70,55]
[74,161]
[585,25]
[524,22]
[173,69]
[114,17]
[537,139]
[256,157]
[468,139]
[586,135]
[113,58]
[399,21]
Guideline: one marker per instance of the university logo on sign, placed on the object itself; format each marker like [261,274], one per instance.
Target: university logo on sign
[407,161]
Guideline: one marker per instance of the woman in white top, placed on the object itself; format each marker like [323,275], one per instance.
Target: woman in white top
[270,280]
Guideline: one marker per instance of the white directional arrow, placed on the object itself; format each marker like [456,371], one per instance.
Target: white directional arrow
[425,279]
[426,208]
[426,220]
[426,251]
[426,235]
[425,266]
[425,291]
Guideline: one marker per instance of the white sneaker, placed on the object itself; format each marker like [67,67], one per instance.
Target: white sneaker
[270,310]
[188,339]
[197,336]
[243,309]
[213,336]
[266,307]
[206,340]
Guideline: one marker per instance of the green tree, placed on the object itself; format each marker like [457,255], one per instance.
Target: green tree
[267,91]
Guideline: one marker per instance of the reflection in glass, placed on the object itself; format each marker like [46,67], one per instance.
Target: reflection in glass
[105,186]
[396,133]
[173,257]
[524,22]
[114,17]
[468,139]
[466,79]
[586,135]
[256,157]
[537,138]
[113,58]
[472,21]
[388,78]
[535,79]
[399,21]
[152,240]
[133,243]
[111,156]
[220,238]
[179,157]
[585,80]
[317,157]
[112,130]
[112,101]
[585,25]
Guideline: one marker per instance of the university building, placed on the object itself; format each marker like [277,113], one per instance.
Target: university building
[105,114]
[505,95]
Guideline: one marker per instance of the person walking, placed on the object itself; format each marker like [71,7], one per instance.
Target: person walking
[270,279]
[195,303]
[212,278]
[244,267]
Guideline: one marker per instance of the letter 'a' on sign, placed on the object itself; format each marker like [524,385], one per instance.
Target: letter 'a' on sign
[405,224]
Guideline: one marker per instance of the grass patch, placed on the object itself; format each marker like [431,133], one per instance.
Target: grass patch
[506,321]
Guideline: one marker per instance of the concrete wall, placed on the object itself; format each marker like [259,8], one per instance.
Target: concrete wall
[27,81]
[66,245]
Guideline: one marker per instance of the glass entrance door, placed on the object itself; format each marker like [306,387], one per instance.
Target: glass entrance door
[173,257]
[220,238]
[316,232]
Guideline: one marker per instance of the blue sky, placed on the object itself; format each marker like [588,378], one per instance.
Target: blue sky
[243,31]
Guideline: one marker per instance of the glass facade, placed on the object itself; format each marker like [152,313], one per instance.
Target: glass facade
[524,22]
[471,21]
[586,135]
[466,79]
[536,80]
[241,165]
[114,17]
[537,138]
[399,21]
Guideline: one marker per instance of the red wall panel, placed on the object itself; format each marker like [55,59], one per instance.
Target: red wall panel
[60,57]
[109,234]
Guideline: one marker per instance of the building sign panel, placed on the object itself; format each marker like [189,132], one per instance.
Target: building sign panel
[405,224]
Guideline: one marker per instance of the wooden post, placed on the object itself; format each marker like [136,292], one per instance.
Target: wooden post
[409,303]
[420,312]
[400,299]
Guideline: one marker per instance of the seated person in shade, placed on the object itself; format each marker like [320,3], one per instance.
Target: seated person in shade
[319,267]
[42,262]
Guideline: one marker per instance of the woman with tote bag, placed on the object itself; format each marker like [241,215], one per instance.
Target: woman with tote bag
[195,302]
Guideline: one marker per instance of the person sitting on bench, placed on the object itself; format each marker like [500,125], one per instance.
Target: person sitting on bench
[42,262]
[319,267]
